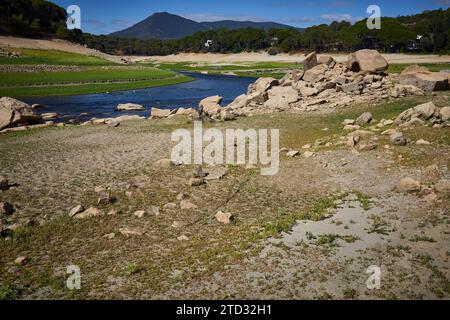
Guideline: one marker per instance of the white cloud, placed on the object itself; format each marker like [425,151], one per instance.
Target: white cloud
[122,23]
[330,17]
[207,17]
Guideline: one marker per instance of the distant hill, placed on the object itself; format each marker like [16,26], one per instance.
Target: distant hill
[232,25]
[163,25]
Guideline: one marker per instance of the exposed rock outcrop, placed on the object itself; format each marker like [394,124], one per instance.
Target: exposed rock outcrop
[14,113]
[423,78]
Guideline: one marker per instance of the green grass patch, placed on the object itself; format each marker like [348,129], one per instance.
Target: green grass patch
[63,90]
[53,57]
[421,238]
[253,69]
[397,68]
[88,75]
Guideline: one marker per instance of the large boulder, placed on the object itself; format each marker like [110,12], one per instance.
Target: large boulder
[367,61]
[315,73]
[445,113]
[425,111]
[281,97]
[310,61]
[130,107]
[14,113]
[160,113]
[423,78]
[325,59]
[210,105]
[265,84]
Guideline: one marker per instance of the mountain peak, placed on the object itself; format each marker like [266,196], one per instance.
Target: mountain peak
[165,25]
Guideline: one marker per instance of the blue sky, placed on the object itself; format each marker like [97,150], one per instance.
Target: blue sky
[106,16]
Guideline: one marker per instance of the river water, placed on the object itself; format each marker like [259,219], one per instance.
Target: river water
[168,97]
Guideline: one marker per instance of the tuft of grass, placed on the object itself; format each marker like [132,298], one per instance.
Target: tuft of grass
[349,293]
[421,238]
[363,200]
[379,225]
[8,291]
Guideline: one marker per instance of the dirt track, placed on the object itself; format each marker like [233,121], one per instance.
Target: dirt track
[264,57]
[61,45]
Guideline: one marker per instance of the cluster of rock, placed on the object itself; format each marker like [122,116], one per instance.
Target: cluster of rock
[424,114]
[430,186]
[325,83]
[31,68]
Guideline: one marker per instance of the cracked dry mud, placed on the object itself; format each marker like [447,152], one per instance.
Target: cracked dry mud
[271,250]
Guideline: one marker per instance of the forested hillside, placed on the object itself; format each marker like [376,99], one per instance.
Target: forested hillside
[31,18]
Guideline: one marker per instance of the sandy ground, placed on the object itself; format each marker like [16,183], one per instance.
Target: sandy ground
[264,57]
[186,253]
[61,45]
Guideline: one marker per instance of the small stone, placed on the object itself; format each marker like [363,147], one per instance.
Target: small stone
[89,213]
[170,206]
[186,205]
[129,194]
[445,113]
[6,209]
[4,185]
[183,238]
[131,231]
[364,147]
[431,197]
[182,196]
[363,119]
[216,173]
[351,127]
[293,153]
[112,212]
[196,182]
[198,172]
[398,139]
[307,146]
[76,210]
[114,124]
[224,217]
[308,154]
[443,186]
[140,214]
[154,210]
[21,261]
[165,163]
[176,224]
[422,142]
[352,141]
[348,122]
[389,132]
[99,189]
[109,236]
[407,185]
[104,198]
